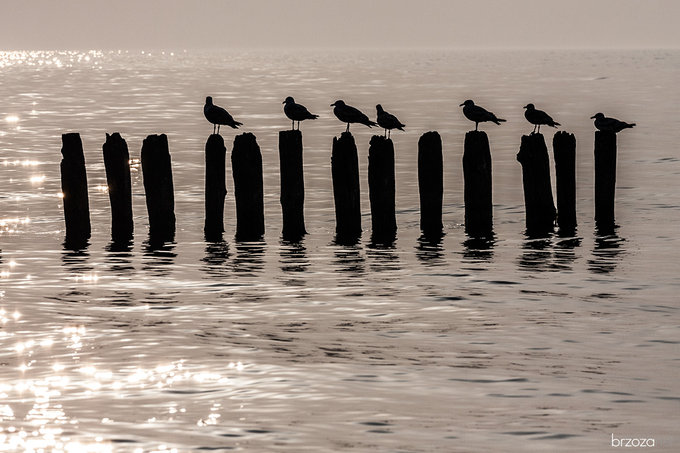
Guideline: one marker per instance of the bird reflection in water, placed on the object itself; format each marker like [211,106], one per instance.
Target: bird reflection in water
[430,250]
[606,252]
[249,259]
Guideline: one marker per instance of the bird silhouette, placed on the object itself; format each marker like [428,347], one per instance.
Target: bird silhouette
[296,112]
[538,117]
[218,116]
[610,124]
[388,121]
[478,114]
[348,114]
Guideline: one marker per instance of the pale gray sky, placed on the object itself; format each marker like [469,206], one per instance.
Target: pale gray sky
[189,24]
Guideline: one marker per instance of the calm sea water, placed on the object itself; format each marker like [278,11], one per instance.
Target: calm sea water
[518,345]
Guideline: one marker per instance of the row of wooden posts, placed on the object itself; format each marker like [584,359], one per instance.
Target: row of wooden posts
[541,214]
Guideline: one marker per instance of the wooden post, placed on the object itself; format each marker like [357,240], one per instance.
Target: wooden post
[605,179]
[160,198]
[292,185]
[538,199]
[74,190]
[345,174]
[477,191]
[430,184]
[564,151]
[117,164]
[246,165]
[215,188]
[381,190]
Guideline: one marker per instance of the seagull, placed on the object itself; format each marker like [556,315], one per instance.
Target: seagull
[538,117]
[297,112]
[610,124]
[218,116]
[478,114]
[388,121]
[348,114]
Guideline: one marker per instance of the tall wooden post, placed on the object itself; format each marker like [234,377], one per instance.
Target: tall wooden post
[159,188]
[430,183]
[117,164]
[246,165]
[605,179]
[564,151]
[292,185]
[477,176]
[74,190]
[345,173]
[215,188]
[381,188]
[538,199]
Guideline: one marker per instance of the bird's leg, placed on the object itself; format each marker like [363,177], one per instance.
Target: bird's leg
[476,124]
[539,128]
[298,125]
[218,128]
[214,126]
[347,128]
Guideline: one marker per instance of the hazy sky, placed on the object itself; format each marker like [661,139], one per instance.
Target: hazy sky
[188,24]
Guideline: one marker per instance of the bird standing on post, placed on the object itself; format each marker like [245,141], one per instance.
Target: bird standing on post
[610,124]
[348,114]
[478,114]
[538,117]
[218,116]
[388,121]
[296,112]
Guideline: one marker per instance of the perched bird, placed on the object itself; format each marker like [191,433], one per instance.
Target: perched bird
[218,116]
[297,112]
[538,117]
[478,114]
[610,124]
[388,121]
[348,114]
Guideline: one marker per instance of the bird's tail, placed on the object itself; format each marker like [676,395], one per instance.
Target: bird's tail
[371,123]
[630,124]
[499,120]
[313,117]
[555,124]
[236,124]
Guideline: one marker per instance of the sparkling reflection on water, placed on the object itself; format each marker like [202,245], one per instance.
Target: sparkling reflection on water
[427,344]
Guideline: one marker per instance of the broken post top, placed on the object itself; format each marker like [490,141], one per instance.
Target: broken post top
[563,140]
[380,140]
[215,140]
[245,140]
[113,137]
[155,141]
[429,139]
[346,139]
[72,147]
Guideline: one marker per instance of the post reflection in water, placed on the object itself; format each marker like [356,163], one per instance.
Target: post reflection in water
[479,250]
[249,259]
[349,260]
[215,259]
[565,252]
[159,258]
[76,262]
[293,257]
[607,252]
[536,255]
[430,250]
[384,259]
[119,257]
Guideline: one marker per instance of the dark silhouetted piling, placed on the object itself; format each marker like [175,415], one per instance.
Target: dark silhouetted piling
[117,163]
[605,178]
[564,151]
[477,191]
[74,189]
[381,189]
[345,173]
[158,186]
[292,185]
[430,183]
[538,199]
[215,187]
[246,165]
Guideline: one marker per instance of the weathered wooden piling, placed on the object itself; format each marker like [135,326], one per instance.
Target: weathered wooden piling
[430,183]
[605,178]
[538,199]
[246,165]
[215,187]
[158,186]
[564,152]
[292,185]
[381,189]
[345,174]
[74,189]
[117,164]
[477,188]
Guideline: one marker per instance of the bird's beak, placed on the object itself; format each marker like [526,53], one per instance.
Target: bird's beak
[462,104]
[332,104]
[526,106]
[592,117]
[283,102]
